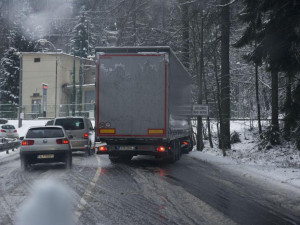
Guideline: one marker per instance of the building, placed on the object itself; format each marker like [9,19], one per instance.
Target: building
[54,72]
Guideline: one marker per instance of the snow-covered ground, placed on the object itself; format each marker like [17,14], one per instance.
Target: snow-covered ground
[280,164]
[22,131]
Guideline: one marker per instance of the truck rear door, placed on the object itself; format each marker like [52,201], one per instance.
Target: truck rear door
[132,95]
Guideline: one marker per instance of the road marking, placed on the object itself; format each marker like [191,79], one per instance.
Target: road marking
[84,199]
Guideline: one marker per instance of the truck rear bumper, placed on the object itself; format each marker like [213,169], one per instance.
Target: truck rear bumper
[116,150]
[135,153]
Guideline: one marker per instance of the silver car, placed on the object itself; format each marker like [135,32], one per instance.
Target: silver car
[45,145]
[8,131]
[80,131]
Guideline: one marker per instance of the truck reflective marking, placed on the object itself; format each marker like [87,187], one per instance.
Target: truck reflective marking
[107,131]
[156,131]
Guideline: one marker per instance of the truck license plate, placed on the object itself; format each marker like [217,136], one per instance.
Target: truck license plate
[126,147]
[48,156]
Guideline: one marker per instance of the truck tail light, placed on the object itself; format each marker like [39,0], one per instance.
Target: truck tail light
[27,142]
[62,141]
[103,148]
[86,135]
[184,143]
[15,131]
[161,149]
[3,131]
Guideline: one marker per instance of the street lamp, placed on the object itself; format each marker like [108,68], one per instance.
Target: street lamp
[44,42]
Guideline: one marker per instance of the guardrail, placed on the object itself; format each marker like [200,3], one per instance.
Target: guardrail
[8,143]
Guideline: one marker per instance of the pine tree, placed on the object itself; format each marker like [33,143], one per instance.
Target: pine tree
[10,65]
[9,77]
[83,39]
[274,26]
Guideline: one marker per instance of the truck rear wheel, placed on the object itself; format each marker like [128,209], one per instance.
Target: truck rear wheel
[123,158]
[178,149]
[175,152]
[126,158]
[114,159]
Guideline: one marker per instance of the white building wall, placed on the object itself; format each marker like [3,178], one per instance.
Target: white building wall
[36,73]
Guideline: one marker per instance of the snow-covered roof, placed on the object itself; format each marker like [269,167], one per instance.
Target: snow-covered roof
[54,54]
[77,85]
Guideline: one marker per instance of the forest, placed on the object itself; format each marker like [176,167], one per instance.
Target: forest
[243,55]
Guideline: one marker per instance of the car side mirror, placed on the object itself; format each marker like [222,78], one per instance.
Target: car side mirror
[21,138]
[71,136]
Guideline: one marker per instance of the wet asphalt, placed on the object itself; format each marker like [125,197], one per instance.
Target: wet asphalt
[148,191]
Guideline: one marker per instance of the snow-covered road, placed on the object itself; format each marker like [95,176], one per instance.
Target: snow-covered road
[146,191]
[201,188]
[105,193]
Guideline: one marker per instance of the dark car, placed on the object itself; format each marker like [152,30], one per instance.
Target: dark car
[3,121]
[49,123]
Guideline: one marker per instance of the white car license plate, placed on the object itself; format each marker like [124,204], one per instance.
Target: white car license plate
[48,156]
[126,147]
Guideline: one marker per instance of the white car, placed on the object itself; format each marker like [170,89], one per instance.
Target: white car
[8,131]
[45,145]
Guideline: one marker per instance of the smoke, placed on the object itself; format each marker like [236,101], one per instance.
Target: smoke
[41,18]
[49,204]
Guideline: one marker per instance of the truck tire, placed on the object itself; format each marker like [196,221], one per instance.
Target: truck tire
[178,149]
[24,163]
[123,158]
[114,159]
[173,154]
[126,158]
[90,150]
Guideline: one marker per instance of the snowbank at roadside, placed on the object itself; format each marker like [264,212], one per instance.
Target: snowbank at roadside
[280,164]
[22,131]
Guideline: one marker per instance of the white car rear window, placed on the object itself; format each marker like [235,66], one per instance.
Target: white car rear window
[50,132]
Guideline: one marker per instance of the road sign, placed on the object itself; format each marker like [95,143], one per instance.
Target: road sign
[200,110]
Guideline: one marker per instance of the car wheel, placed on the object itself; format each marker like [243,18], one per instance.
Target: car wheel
[69,161]
[89,150]
[24,163]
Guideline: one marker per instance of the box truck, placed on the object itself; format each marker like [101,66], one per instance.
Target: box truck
[143,103]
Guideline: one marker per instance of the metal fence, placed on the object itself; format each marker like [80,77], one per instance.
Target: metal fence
[8,111]
[37,111]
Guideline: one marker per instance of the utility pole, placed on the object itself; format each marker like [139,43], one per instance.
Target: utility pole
[79,99]
[20,92]
[74,87]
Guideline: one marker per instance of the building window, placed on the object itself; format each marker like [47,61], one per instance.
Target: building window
[36,95]
[36,106]
[37,59]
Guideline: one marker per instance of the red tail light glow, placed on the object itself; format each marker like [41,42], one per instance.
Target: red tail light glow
[161,149]
[103,148]
[27,142]
[3,131]
[15,131]
[86,135]
[185,143]
[62,141]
